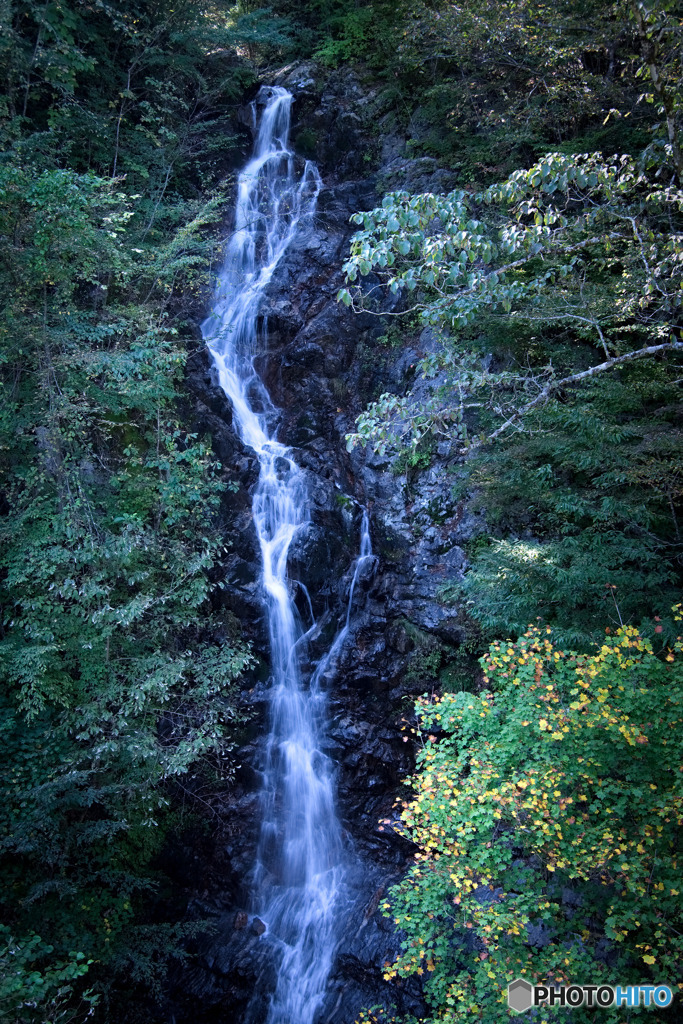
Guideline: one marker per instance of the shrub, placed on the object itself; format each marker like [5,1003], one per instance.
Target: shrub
[547,811]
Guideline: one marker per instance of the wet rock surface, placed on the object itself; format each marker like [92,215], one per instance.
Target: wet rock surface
[321,364]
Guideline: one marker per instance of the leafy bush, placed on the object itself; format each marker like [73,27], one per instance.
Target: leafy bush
[547,811]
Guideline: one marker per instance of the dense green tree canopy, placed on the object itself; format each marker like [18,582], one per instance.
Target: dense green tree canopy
[117,676]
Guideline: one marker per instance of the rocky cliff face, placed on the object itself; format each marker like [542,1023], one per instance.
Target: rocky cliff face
[321,365]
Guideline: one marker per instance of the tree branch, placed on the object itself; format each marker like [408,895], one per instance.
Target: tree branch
[640,353]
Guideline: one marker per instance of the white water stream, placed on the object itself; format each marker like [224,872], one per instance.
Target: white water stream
[299,876]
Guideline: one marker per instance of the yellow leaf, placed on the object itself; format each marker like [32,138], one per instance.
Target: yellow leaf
[649,959]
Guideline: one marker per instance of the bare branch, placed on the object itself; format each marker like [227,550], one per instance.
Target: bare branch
[651,350]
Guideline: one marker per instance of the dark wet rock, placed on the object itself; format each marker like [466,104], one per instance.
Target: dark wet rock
[572,898]
[369,940]
[417,175]
[229,965]
[539,934]
[332,117]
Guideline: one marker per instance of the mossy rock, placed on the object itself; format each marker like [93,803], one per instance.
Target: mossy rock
[306,143]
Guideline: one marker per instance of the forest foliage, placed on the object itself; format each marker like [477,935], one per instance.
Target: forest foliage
[547,811]
[118,673]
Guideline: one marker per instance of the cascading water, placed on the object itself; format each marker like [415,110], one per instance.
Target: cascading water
[299,876]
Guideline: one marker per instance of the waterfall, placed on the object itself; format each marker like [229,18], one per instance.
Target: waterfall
[299,875]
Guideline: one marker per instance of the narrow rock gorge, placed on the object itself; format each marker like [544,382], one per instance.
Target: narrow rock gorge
[320,364]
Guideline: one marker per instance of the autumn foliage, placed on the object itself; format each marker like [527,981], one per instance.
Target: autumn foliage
[547,812]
